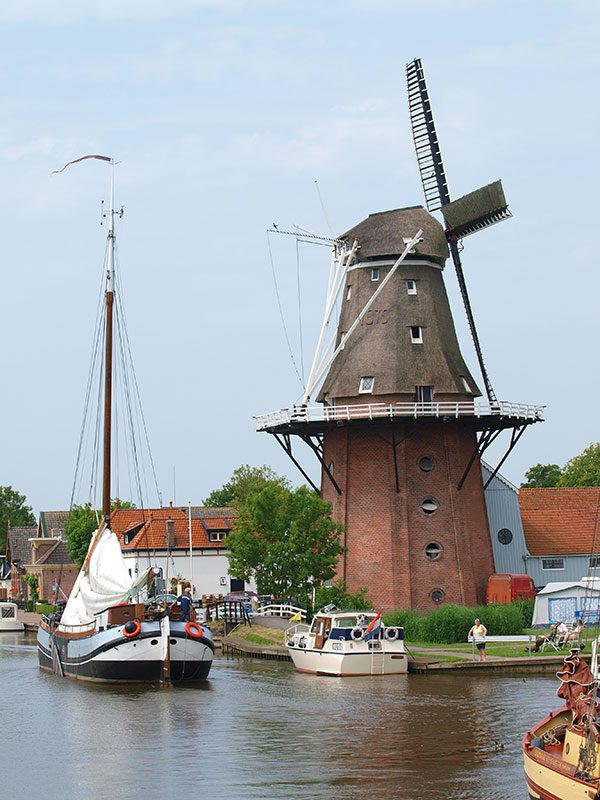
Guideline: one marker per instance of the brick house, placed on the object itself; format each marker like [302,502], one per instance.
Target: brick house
[161,537]
[18,554]
[51,564]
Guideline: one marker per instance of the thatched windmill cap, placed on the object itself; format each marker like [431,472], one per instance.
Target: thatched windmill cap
[383,234]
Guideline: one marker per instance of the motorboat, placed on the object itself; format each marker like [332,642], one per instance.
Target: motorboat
[8,618]
[345,643]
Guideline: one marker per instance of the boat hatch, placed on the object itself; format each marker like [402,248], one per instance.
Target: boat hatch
[8,612]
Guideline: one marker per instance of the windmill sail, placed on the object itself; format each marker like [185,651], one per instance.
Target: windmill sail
[429,156]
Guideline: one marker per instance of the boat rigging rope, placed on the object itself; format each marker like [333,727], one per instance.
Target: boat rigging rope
[299,309]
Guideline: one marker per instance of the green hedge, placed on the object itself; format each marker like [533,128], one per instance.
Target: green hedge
[451,623]
[44,608]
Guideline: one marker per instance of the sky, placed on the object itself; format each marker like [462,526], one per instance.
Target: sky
[222,114]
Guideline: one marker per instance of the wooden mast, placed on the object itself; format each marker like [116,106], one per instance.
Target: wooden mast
[108,357]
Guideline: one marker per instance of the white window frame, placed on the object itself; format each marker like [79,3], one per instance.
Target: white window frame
[411,286]
[374,274]
[596,565]
[362,390]
[349,292]
[416,339]
[465,384]
[553,558]
[217,536]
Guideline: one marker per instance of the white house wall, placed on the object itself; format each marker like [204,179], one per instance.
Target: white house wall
[209,569]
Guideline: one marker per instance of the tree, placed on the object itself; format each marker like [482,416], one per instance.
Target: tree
[286,540]
[246,480]
[584,469]
[542,476]
[13,513]
[82,522]
[338,594]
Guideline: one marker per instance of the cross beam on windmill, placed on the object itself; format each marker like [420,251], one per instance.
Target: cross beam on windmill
[467,215]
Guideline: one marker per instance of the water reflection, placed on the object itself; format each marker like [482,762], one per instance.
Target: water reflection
[258,729]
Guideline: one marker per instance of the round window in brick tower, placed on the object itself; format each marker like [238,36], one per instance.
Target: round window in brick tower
[426,463]
[433,550]
[429,506]
[436,595]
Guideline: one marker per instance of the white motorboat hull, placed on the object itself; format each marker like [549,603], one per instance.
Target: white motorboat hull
[390,660]
[8,619]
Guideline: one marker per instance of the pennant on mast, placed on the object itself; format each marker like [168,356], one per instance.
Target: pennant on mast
[83,158]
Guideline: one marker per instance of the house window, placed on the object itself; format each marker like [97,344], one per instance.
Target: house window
[433,551]
[375,274]
[416,334]
[366,385]
[348,292]
[436,595]
[217,536]
[411,287]
[553,563]
[594,562]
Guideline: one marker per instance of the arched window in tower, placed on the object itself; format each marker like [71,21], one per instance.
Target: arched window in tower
[375,274]
[348,292]
[411,286]
[416,334]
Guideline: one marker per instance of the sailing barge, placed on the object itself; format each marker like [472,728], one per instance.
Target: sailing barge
[562,752]
[113,628]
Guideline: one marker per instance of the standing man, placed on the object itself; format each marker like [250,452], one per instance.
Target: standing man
[185,601]
[478,633]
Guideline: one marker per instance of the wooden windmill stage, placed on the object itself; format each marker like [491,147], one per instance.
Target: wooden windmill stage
[398,426]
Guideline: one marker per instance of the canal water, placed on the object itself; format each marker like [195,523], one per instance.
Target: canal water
[257,729]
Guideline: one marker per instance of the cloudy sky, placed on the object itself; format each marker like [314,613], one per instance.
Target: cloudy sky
[223,114]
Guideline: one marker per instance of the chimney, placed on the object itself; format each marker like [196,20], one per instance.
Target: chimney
[169,533]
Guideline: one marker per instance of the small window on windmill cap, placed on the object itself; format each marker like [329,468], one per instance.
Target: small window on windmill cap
[434,550]
[366,385]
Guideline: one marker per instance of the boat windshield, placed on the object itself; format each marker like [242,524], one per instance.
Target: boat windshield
[352,621]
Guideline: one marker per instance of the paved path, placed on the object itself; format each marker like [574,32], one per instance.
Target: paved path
[30,619]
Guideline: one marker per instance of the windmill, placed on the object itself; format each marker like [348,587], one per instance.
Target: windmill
[463,217]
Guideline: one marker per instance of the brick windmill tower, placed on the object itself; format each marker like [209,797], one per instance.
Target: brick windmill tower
[398,427]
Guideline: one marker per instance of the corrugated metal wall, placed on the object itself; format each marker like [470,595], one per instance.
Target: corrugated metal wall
[503,512]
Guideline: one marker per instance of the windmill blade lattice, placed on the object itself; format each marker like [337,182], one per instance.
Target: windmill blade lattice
[437,196]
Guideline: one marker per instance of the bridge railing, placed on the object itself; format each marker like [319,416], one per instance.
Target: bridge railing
[280,610]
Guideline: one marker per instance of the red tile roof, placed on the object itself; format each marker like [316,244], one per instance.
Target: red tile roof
[151,535]
[561,521]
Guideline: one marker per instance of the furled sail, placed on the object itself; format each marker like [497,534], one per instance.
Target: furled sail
[102,582]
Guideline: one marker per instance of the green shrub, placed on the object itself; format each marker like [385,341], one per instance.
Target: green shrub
[451,623]
[500,619]
[409,620]
[44,608]
[29,604]
[339,595]
[447,624]
[526,609]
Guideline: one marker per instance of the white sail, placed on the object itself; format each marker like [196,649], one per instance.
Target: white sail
[102,582]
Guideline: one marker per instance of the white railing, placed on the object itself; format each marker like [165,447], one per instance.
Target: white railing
[338,413]
[279,610]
